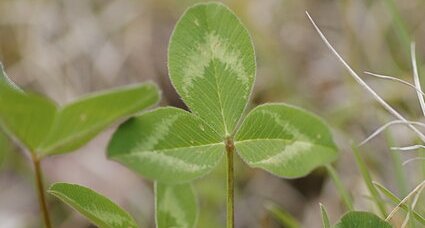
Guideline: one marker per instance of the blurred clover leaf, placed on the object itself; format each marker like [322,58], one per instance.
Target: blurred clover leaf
[211,64]
[44,128]
[95,207]
[176,205]
[358,219]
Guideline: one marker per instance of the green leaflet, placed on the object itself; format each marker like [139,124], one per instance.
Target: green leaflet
[212,64]
[176,206]
[360,219]
[45,129]
[168,145]
[284,140]
[80,121]
[95,207]
[28,117]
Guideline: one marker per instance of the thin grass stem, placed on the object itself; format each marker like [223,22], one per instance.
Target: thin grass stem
[385,126]
[345,196]
[394,211]
[391,78]
[363,83]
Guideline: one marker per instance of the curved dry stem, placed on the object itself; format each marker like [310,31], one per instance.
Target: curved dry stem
[385,126]
[412,207]
[416,77]
[412,160]
[363,83]
[391,78]
[415,190]
[408,148]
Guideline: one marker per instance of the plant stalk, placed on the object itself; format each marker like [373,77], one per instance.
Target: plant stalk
[230,149]
[40,191]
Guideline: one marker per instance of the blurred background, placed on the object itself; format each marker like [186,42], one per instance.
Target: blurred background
[65,49]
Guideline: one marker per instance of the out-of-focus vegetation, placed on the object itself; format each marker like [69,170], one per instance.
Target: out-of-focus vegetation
[69,48]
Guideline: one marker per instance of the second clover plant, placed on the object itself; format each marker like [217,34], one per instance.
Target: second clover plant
[211,64]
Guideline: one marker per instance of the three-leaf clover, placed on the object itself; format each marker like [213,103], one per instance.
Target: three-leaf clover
[211,64]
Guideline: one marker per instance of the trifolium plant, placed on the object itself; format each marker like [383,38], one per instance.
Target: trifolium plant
[42,128]
[211,63]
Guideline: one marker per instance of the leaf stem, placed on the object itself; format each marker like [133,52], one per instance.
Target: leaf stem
[40,191]
[230,149]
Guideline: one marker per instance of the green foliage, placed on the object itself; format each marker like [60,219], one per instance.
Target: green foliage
[167,144]
[360,219]
[176,206]
[95,207]
[45,129]
[211,65]
[76,123]
[284,140]
[26,116]
[325,218]
[396,201]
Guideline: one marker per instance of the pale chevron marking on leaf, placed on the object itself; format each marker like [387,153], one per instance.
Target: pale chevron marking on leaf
[168,161]
[289,152]
[160,133]
[170,205]
[212,48]
[285,125]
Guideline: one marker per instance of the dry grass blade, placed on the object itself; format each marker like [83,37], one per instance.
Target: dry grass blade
[385,126]
[363,83]
[391,78]
[416,77]
[413,192]
[407,148]
[412,207]
[412,160]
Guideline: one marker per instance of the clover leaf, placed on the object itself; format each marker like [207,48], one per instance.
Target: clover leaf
[211,65]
